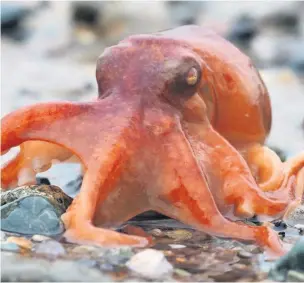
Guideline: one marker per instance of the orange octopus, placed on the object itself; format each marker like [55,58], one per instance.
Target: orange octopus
[178,128]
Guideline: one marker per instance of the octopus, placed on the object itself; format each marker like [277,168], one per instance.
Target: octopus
[179,127]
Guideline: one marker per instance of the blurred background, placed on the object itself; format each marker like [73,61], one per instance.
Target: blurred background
[49,50]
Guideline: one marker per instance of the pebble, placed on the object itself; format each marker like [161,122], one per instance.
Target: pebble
[2,236]
[21,269]
[244,254]
[11,247]
[157,233]
[21,242]
[84,249]
[173,246]
[296,217]
[151,264]
[40,238]
[34,210]
[253,249]
[295,276]
[50,248]
[117,256]
[181,272]
[179,235]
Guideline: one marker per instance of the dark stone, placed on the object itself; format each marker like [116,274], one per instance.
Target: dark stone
[279,225]
[291,261]
[243,30]
[33,210]
[12,18]
[86,14]
[43,181]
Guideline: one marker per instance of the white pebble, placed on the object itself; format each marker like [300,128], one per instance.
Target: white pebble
[150,263]
[174,246]
[40,238]
[2,236]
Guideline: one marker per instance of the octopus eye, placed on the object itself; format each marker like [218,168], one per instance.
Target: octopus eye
[192,76]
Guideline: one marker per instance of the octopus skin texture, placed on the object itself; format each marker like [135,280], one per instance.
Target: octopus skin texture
[178,127]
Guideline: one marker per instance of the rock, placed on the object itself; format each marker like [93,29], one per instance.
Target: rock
[50,248]
[11,247]
[116,256]
[179,234]
[294,276]
[21,242]
[87,262]
[279,225]
[243,30]
[2,236]
[40,238]
[293,260]
[184,12]
[43,181]
[21,269]
[151,264]
[34,209]
[296,217]
[177,246]
[85,249]
[181,272]
[12,18]
[244,254]
[157,232]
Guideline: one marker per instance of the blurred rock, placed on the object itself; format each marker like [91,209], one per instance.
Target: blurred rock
[10,247]
[20,269]
[2,236]
[184,12]
[21,242]
[12,19]
[242,31]
[284,21]
[293,260]
[40,238]
[294,276]
[296,216]
[111,21]
[116,256]
[150,264]
[34,210]
[43,181]
[51,249]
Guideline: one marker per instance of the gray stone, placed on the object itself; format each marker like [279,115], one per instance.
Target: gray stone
[294,276]
[291,261]
[34,210]
[49,248]
[10,247]
[21,269]
[296,217]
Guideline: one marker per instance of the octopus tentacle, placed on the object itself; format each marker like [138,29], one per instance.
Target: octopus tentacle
[266,167]
[238,185]
[197,207]
[57,122]
[34,157]
[104,170]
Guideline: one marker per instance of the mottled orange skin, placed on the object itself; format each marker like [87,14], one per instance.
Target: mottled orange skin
[152,142]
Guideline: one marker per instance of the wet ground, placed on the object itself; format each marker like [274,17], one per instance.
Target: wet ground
[54,64]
